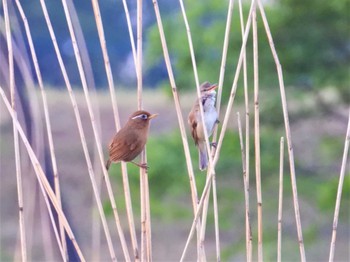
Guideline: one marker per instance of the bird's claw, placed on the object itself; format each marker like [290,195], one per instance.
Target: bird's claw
[213,144]
[144,166]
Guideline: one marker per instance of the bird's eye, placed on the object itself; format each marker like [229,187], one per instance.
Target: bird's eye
[142,116]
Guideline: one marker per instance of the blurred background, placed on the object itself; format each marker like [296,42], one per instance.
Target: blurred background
[312,39]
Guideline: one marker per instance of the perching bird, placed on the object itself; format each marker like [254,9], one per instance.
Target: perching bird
[208,97]
[128,143]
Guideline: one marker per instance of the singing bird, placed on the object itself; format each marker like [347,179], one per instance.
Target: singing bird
[130,140]
[208,98]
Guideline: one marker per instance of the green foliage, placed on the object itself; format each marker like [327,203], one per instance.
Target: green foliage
[328,194]
[312,40]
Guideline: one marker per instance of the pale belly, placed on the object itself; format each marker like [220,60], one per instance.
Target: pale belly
[210,119]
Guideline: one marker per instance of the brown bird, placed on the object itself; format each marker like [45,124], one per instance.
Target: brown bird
[128,143]
[208,98]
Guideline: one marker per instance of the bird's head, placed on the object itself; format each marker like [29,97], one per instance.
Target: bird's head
[207,88]
[141,118]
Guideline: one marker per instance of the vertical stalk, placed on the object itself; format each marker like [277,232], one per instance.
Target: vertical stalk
[15,133]
[194,65]
[247,133]
[257,136]
[288,133]
[246,192]
[80,129]
[280,203]
[96,134]
[109,74]
[41,177]
[339,191]
[47,119]
[146,246]
[191,176]
[224,126]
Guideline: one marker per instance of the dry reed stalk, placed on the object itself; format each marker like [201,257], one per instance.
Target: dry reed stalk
[131,34]
[146,244]
[22,227]
[339,191]
[280,203]
[37,141]
[96,133]
[47,119]
[257,136]
[224,126]
[194,195]
[246,192]
[218,105]
[41,176]
[234,85]
[109,74]
[80,129]
[53,222]
[208,148]
[288,133]
[247,136]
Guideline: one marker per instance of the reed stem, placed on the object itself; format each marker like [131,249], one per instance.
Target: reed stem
[257,136]
[339,191]
[280,203]
[22,227]
[47,119]
[288,133]
[246,192]
[247,135]
[42,177]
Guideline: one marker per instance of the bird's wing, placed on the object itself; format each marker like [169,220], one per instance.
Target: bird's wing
[192,121]
[119,148]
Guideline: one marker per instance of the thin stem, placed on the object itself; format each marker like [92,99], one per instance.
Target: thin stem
[246,192]
[109,74]
[234,85]
[194,65]
[191,176]
[280,203]
[42,177]
[247,133]
[146,245]
[96,134]
[339,191]
[257,136]
[15,134]
[131,34]
[223,62]
[80,129]
[218,105]
[224,126]
[288,133]
[47,119]
[216,220]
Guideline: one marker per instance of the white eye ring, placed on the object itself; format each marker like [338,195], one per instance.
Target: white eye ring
[142,116]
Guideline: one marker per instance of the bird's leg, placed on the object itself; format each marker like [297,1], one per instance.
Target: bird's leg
[142,165]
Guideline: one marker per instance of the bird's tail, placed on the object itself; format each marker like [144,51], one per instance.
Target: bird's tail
[203,156]
[108,164]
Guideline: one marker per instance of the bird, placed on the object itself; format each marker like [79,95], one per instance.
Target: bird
[130,140]
[208,98]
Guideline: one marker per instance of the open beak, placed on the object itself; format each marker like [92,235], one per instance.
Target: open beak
[212,87]
[153,116]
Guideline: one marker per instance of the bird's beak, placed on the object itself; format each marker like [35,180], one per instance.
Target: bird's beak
[153,116]
[212,87]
